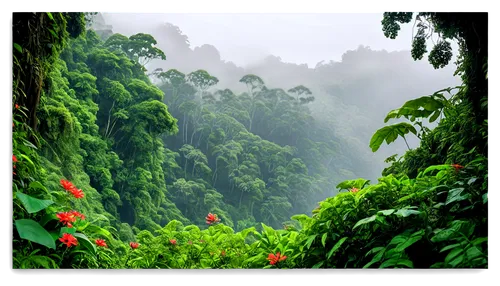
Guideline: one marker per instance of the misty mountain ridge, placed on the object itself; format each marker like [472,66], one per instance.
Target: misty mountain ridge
[352,95]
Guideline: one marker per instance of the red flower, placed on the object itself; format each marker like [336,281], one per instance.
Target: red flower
[134,245]
[14,158]
[77,193]
[66,218]
[173,241]
[457,167]
[77,214]
[223,253]
[101,242]
[67,185]
[354,190]
[211,218]
[69,240]
[17,106]
[273,259]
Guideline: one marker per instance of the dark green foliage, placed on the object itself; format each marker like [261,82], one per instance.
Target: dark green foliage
[176,168]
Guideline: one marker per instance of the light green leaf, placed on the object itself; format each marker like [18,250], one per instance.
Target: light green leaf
[18,47]
[387,212]
[406,212]
[437,167]
[31,204]
[323,239]
[390,134]
[365,220]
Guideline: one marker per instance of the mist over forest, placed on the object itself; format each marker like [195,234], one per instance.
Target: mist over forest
[133,148]
[352,96]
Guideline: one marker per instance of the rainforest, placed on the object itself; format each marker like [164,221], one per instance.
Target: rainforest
[134,151]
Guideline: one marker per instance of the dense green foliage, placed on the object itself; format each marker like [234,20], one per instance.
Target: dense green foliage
[126,170]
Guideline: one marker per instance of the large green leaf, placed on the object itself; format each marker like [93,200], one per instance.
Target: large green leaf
[365,220]
[455,195]
[390,134]
[31,204]
[429,103]
[406,212]
[85,242]
[32,231]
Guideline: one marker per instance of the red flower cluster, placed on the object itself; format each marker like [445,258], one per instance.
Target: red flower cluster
[134,245]
[69,240]
[212,218]
[101,243]
[173,241]
[67,218]
[273,259]
[354,190]
[68,186]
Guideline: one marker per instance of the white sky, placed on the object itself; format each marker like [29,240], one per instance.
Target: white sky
[296,38]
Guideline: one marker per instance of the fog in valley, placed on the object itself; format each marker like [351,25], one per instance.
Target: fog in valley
[355,74]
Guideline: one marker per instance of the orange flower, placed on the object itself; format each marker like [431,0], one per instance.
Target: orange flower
[211,218]
[134,245]
[223,253]
[273,259]
[173,241]
[69,240]
[354,190]
[101,243]
[66,218]
[457,167]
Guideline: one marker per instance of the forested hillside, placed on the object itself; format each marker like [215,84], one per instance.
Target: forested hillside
[120,163]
